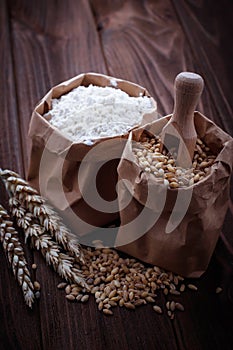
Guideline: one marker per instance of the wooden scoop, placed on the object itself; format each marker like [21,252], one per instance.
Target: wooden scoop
[179,135]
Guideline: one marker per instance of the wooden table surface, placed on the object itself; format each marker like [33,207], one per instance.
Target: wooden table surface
[148,42]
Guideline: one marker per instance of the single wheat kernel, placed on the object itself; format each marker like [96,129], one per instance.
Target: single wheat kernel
[179,306]
[107,312]
[218,290]
[192,287]
[37,285]
[62,285]
[172,306]
[157,309]
[129,306]
[85,298]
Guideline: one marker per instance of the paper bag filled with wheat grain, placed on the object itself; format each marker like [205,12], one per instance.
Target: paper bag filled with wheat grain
[174,186]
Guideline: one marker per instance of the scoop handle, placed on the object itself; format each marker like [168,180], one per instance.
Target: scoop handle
[188,89]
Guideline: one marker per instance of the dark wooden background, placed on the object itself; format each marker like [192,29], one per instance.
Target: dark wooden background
[148,42]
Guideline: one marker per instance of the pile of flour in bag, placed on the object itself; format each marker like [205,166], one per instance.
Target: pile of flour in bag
[88,113]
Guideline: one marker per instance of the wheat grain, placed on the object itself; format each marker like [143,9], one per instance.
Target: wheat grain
[192,286]
[218,290]
[125,282]
[162,165]
[157,309]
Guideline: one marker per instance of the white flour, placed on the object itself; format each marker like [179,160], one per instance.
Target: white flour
[88,113]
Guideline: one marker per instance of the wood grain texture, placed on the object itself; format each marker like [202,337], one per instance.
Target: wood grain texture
[11,155]
[63,42]
[140,42]
[206,320]
[144,41]
[205,29]
[18,324]
[148,42]
[50,44]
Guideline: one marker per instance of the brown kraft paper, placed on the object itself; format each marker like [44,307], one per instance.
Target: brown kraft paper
[55,160]
[187,249]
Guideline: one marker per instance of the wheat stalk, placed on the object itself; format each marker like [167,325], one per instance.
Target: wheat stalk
[41,223]
[37,206]
[41,240]
[10,240]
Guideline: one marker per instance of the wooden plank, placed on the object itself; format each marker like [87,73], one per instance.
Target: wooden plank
[208,28]
[206,322]
[50,44]
[16,320]
[145,329]
[20,327]
[10,141]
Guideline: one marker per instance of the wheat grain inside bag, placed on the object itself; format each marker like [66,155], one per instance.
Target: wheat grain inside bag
[176,229]
[79,177]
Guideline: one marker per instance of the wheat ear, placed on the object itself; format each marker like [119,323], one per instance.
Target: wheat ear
[14,251]
[37,206]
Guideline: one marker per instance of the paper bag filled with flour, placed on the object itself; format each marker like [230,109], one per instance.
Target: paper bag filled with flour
[78,132]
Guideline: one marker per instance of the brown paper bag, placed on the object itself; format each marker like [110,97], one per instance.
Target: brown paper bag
[55,161]
[174,229]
